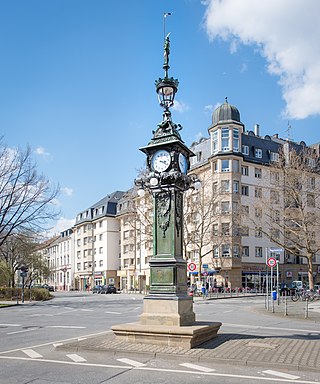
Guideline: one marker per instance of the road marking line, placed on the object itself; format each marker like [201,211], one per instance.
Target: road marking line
[23,331]
[65,326]
[31,353]
[76,358]
[113,313]
[197,367]
[82,338]
[131,362]
[87,310]
[57,341]
[57,344]
[10,325]
[177,371]
[281,374]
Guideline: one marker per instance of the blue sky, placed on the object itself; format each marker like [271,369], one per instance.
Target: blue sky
[77,80]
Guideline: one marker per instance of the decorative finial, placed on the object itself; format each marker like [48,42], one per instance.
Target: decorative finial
[226,99]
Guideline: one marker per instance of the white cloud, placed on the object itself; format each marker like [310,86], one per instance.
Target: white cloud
[42,152]
[67,191]
[286,33]
[61,225]
[180,106]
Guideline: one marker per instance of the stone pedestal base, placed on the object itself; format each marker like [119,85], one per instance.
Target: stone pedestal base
[167,320]
[185,337]
[169,311]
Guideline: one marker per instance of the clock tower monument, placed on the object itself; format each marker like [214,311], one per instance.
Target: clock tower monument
[168,317]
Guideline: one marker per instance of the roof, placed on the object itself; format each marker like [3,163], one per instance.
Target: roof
[225,112]
[107,206]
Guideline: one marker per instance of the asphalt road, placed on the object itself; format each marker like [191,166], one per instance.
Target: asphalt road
[29,335]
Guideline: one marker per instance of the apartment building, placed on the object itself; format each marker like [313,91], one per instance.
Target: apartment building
[238,164]
[59,255]
[96,244]
[135,218]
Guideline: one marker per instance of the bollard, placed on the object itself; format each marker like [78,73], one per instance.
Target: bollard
[306,313]
[285,304]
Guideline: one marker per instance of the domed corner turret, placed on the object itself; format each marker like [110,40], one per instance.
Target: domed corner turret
[225,113]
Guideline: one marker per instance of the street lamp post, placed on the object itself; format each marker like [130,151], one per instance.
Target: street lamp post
[64,270]
[168,316]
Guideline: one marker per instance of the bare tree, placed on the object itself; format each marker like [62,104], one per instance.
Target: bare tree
[15,251]
[26,197]
[200,215]
[289,214]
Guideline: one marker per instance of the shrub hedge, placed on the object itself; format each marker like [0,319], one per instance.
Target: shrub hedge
[37,294]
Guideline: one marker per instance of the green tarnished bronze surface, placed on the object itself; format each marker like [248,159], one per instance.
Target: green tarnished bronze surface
[163,275]
[168,216]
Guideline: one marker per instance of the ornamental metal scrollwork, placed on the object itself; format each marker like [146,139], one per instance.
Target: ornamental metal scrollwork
[163,211]
[179,200]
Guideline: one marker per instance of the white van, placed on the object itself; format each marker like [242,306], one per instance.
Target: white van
[297,284]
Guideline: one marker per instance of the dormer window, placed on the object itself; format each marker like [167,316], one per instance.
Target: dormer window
[245,150]
[258,153]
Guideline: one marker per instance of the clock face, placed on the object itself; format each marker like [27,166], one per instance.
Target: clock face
[161,160]
[183,164]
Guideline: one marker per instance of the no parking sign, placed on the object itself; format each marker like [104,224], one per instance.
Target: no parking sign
[192,267]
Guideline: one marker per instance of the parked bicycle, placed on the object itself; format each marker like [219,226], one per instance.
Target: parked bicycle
[302,294]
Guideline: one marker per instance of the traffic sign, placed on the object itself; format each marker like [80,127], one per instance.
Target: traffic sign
[271,262]
[192,267]
[205,266]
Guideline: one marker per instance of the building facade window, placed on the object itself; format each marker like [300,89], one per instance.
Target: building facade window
[235,166]
[245,150]
[225,165]
[274,177]
[225,248]
[258,153]
[236,186]
[245,251]
[215,229]
[225,139]
[311,183]
[258,173]
[225,207]
[225,186]
[258,251]
[258,232]
[225,229]
[215,147]
[245,170]
[274,156]
[236,139]
[245,190]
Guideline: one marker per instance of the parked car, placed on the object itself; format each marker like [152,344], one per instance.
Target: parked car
[96,289]
[108,289]
[45,286]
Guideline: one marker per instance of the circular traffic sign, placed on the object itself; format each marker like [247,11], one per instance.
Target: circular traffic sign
[271,262]
[192,267]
